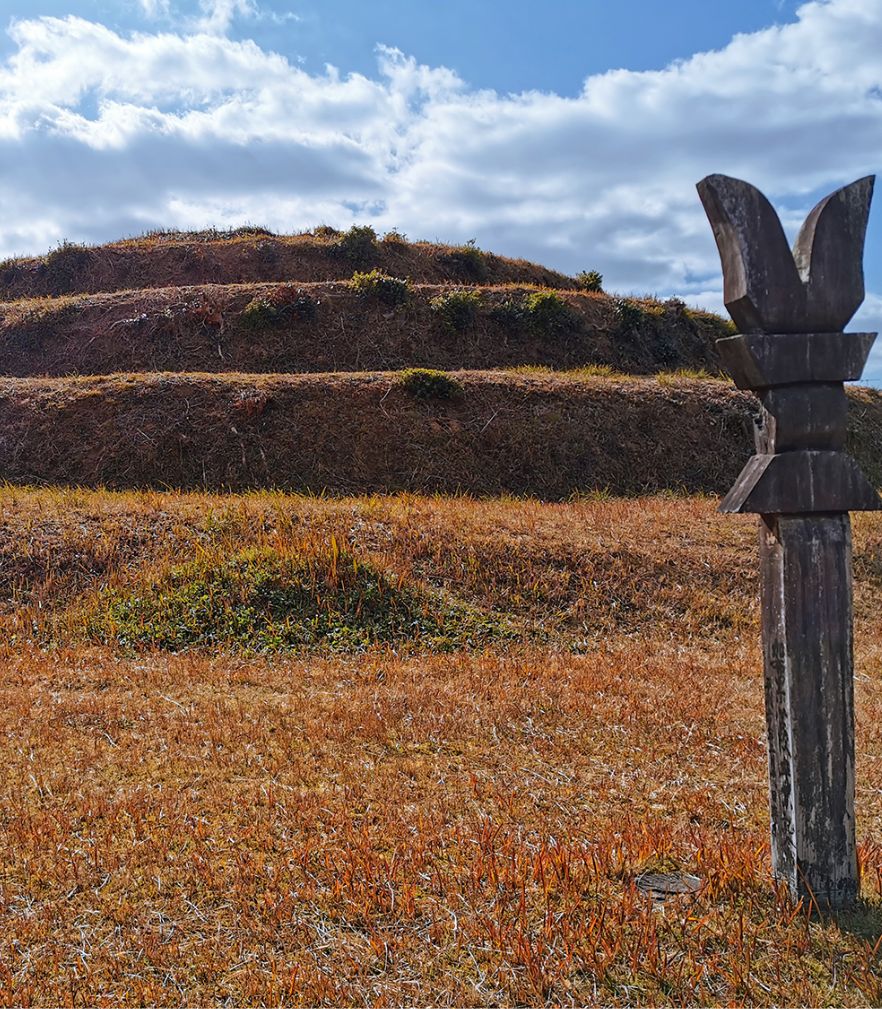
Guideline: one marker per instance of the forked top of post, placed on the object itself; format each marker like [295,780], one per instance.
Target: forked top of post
[767,288]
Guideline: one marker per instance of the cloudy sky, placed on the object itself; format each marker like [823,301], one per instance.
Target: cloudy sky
[571,132]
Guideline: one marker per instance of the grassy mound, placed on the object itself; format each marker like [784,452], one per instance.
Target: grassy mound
[267,599]
[373,322]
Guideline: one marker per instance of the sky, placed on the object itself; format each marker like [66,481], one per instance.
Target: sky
[570,132]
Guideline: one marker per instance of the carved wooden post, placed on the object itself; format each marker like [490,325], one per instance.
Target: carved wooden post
[791,309]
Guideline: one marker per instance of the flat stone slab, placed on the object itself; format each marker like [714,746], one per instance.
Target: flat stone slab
[660,885]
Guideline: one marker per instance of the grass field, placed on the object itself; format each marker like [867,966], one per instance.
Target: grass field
[552,698]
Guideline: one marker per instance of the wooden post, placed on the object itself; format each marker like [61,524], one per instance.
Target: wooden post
[791,309]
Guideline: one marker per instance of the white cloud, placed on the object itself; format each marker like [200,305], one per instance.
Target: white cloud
[218,15]
[103,133]
[154,9]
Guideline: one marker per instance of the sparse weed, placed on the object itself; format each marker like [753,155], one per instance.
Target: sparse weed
[689,375]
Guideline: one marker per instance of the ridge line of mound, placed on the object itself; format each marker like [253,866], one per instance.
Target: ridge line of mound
[152,262]
[494,433]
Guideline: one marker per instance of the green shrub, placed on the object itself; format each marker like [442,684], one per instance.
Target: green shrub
[427,383]
[511,313]
[590,280]
[541,313]
[315,595]
[548,313]
[629,315]
[376,284]
[358,244]
[281,306]
[395,237]
[326,232]
[466,262]
[457,310]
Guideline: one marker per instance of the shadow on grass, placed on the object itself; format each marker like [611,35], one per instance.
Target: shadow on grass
[863,920]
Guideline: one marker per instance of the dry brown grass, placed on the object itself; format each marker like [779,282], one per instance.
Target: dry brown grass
[460,829]
[357,433]
[539,434]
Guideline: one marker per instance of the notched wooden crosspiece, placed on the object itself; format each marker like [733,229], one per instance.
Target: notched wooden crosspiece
[791,307]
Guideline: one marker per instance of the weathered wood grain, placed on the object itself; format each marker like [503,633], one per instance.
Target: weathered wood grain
[806,587]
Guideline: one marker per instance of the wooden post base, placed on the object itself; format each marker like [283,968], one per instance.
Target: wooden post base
[807,643]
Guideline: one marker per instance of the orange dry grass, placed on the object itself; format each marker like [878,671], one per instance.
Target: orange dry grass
[434,830]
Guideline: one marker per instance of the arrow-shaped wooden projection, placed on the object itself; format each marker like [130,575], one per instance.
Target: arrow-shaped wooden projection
[791,308]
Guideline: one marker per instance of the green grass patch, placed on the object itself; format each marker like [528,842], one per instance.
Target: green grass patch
[316,595]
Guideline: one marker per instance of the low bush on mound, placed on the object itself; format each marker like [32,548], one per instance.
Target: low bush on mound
[457,310]
[539,313]
[428,383]
[63,265]
[629,315]
[314,595]
[358,245]
[467,262]
[549,314]
[376,284]
[590,280]
[281,306]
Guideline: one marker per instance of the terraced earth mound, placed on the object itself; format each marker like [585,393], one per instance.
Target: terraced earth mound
[339,362]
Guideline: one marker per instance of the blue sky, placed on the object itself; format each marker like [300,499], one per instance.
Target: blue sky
[567,132]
